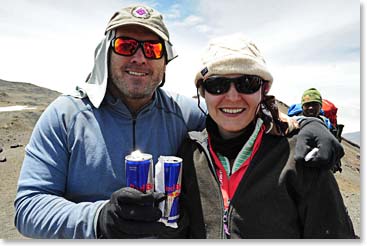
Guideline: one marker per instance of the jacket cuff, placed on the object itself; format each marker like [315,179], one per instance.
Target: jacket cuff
[96,215]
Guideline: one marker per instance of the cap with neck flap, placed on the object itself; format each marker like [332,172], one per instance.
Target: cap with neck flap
[142,15]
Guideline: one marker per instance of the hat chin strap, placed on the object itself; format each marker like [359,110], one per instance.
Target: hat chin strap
[163,80]
[198,96]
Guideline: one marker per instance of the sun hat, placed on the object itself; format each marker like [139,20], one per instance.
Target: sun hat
[232,54]
[139,15]
[96,84]
[147,17]
[311,95]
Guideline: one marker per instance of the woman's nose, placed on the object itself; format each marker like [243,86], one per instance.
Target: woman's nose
[232,93]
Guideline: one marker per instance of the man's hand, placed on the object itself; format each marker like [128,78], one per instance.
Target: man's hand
[314,134]
[130,214]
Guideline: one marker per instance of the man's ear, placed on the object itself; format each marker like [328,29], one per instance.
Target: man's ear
[163,80]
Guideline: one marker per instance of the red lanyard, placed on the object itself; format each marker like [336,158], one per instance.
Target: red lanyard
[229,185]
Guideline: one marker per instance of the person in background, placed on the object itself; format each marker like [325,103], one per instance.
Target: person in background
[310,106]
[311,103]
[239,181]
[72,183]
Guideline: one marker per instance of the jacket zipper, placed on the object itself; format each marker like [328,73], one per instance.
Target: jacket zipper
[230,208]
[134,131]
[229,212]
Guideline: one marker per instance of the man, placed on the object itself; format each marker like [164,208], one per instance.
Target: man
[75,158]
[311,103]
[310,106]
[72,183]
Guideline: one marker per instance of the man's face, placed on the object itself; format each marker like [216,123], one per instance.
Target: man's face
[311,109]
[136,77]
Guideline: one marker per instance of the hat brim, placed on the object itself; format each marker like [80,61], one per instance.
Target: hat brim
[155,30]
[314,100]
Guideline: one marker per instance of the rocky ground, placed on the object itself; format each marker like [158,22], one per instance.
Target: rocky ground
[16,127]
[15,130]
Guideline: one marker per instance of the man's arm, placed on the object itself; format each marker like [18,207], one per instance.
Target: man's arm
[41,209]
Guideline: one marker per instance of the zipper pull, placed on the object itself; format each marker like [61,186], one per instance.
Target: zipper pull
[225,216]
[225,223]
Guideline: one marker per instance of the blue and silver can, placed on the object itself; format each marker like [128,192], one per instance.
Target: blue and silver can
[139,171]
[172,187]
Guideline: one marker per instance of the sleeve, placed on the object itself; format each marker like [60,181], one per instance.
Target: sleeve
[322,210]
[193,112]
[41,211]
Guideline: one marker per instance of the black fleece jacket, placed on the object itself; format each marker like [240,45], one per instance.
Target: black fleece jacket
[276,198]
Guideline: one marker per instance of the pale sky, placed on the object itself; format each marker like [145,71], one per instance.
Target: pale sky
[313,43]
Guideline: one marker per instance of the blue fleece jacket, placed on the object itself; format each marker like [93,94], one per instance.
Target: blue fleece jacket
[75,158]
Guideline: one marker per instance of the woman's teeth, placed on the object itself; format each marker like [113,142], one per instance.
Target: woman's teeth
[232,111]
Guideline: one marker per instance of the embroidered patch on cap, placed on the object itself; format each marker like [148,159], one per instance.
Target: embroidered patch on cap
[204,71]
[140,12]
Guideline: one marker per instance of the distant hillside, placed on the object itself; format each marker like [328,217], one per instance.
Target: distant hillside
[354,137]
[16,125]
[18,93]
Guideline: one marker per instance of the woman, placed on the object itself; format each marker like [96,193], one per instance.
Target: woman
[239,181]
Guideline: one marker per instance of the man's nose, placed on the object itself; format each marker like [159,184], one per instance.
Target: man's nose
[139,57]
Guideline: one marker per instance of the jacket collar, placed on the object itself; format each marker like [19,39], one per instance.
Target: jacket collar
[119,106]
[200,137]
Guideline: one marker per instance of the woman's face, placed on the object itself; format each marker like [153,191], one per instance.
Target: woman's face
[232,111]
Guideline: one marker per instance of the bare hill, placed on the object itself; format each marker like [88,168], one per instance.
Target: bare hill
[18,93]
[16,128]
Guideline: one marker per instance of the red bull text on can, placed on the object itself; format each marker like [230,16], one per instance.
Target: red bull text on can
[139,171]
[172,186]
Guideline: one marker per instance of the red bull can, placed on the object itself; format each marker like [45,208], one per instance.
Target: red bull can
[172,187]
[139,171]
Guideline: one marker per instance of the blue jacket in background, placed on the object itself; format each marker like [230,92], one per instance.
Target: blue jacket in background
[75,158]
[296,109]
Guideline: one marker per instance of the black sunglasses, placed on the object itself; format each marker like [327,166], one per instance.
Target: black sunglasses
[245,84]
[126,46]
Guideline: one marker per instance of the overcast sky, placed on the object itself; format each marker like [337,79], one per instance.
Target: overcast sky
[313,43]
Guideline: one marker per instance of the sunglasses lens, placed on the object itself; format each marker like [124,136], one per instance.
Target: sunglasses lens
[125,47]
[153,50]
[216,86]
[248,84]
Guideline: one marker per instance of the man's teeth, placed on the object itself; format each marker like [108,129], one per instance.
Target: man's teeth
[232,111]
[136,73]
